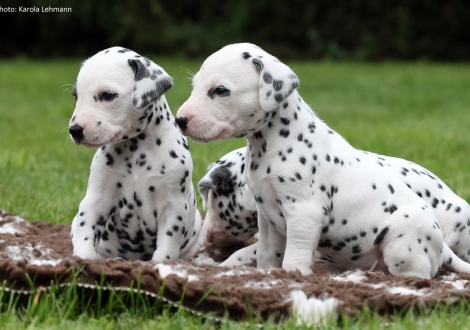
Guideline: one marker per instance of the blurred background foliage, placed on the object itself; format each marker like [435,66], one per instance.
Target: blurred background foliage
[437,30]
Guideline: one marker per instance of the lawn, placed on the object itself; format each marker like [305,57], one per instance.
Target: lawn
[418,111]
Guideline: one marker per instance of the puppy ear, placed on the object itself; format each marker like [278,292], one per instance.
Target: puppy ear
[277,81]
[150,82]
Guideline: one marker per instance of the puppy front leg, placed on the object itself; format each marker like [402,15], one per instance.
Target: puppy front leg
[172,225]
[84,232]
[271,244]
[303,235]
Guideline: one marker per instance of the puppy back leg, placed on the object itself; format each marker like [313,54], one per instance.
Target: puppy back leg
[241,257]
[271,245]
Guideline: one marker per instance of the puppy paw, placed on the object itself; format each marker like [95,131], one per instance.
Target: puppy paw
[85,252]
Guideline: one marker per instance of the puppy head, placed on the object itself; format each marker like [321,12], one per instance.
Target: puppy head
[233,93]
[231,216]
[114,90]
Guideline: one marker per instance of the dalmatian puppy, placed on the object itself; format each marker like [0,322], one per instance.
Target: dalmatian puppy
[140,202]
[231,216]
[221,230]
[313,190]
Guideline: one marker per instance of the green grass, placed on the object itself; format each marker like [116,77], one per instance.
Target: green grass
[418,111]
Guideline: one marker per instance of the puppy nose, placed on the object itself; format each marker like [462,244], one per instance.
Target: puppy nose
[77,132]
[182,122]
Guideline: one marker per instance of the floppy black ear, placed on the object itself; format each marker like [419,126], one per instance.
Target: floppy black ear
[150,82]
[276,81]
[218,177]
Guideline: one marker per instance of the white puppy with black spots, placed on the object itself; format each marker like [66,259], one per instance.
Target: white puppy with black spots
[313,190]
[231,206]
[231,216]
[140,202]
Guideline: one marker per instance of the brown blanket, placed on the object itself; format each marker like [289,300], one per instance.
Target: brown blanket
[44,253]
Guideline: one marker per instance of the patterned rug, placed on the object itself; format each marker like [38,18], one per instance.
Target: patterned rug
[37,250]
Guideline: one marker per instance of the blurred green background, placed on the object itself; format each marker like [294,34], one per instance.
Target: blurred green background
[300,29]
[381,73]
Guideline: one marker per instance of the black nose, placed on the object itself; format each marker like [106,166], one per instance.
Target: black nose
[182,122]
[77,132]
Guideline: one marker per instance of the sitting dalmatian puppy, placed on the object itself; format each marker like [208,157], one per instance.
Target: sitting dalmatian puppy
[140,202]
[228,224]
[313,190]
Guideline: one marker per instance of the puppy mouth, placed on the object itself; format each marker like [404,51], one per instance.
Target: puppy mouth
[207,133]
[97,142]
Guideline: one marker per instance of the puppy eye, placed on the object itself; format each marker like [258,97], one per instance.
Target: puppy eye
[108,96]
[222,91]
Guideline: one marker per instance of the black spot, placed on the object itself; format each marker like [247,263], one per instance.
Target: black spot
[279,98]
[391,188]
[302,160]
[381,235]
[246,55]
[356,249]
[173,154]
[392,208]
[284,132]
[138,201]
[109,159]
[339,246]
[267,78]
[277,84]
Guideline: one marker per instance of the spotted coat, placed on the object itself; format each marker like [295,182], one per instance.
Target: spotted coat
[313,190]
[140,202]
[451,211]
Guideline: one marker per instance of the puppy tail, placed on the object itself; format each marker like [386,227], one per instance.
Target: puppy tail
[452,262]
